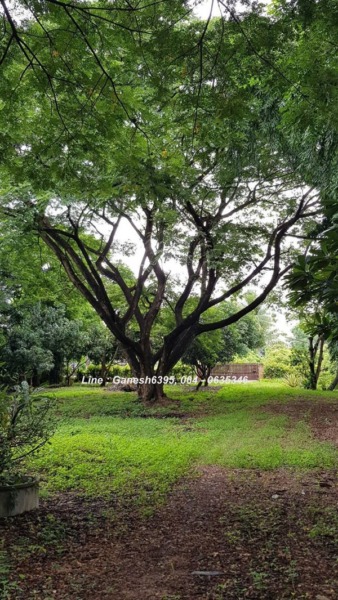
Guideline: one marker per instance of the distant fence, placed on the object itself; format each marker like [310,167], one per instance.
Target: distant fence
[253,371]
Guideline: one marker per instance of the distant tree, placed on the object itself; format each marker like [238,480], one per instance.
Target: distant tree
[69,346]
[203,354]
[333,349]
[102,349]
[312,356]
[40,341]
[315,338]
[276,361]
[220,346]
[299,357]
[313,296]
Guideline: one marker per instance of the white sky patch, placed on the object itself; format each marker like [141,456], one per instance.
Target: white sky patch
[203,8]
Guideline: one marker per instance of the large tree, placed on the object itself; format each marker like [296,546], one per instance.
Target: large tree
[161,130]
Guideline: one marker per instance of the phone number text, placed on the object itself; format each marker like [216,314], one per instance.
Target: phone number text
[184,380]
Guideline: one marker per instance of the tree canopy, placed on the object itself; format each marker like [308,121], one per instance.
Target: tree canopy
[147,120]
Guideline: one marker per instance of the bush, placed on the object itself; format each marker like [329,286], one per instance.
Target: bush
[251,357]
[121,370]
[182,370]
[26,424]
[294,379]
[277,362]
[94,370]
[275,370]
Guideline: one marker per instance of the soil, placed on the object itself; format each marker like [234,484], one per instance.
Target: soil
[223,534]
[321,416]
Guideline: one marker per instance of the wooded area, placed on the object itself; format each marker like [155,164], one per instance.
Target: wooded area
[168,206]
[221,131]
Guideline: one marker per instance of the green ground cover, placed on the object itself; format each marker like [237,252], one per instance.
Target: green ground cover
[108,443]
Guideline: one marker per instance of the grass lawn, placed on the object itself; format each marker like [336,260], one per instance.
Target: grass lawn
[254,501]
[107,442]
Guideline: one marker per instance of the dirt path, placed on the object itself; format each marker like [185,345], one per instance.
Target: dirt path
[226,534]
[322,416]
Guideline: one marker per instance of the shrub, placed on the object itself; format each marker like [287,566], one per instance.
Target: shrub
[277,362]
[121,370]
[251,357]
[26,424]
[276,370]
[182,370]
[94,370]
[294,379]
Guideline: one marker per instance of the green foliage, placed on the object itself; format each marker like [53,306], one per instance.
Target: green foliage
[309,112]
[40,341]
[299,360]
[102,346]
[312,133]
[205,351]
[250,357]
[30,273]
[317,334]
[293,379]
[182,370]
[107,447]
[26,424]
[277,361]
[222,345]
[95,370]
[168,135]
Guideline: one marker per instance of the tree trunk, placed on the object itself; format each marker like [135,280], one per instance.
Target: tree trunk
[320,358]
[150,380]
[55,375]
[104,373]
[203,372]
[199,385]
[206,382]
[334,384]
[312,358]
[151,393]
[314,349]
[35,382]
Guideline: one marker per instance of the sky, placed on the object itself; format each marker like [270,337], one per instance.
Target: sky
[202,10]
